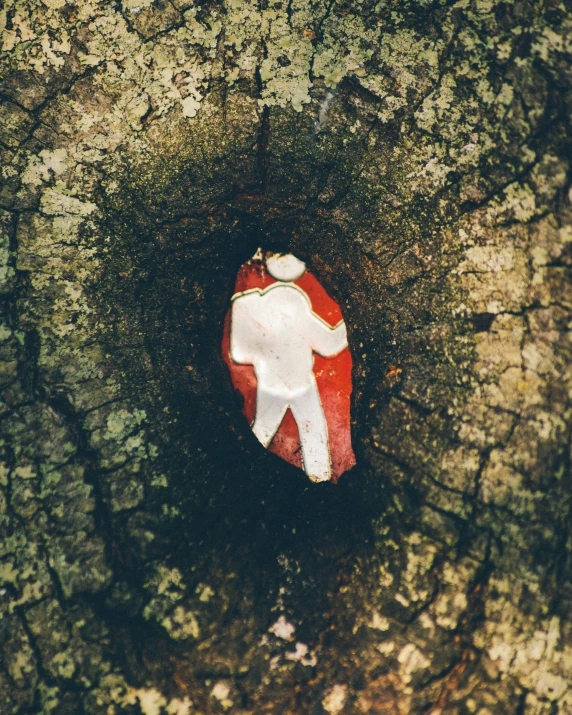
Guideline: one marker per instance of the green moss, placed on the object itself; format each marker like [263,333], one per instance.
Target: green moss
[414,155]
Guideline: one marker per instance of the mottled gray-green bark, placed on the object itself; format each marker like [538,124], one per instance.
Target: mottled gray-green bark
[153,557]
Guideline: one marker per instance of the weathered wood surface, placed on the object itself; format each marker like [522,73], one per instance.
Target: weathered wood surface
[416,155]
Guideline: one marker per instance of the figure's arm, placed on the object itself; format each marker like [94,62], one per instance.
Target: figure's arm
[324,340]
[240,333]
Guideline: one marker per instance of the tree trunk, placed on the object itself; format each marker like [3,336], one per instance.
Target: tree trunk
[154,558]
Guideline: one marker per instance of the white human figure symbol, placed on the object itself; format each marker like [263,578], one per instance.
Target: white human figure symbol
[277,332]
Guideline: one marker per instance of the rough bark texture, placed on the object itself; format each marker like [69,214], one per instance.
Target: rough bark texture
[416,154]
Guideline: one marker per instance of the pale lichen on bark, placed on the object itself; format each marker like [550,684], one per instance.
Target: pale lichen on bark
[416,154]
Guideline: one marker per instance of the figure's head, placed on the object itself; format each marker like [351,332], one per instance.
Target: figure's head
[285,267]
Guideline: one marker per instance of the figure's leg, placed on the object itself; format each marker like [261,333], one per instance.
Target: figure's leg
[309,415]
[270,411]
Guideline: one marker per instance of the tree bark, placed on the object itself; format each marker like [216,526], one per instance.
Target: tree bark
[154,558]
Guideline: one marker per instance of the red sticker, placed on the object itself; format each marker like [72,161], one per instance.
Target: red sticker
[285,346]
